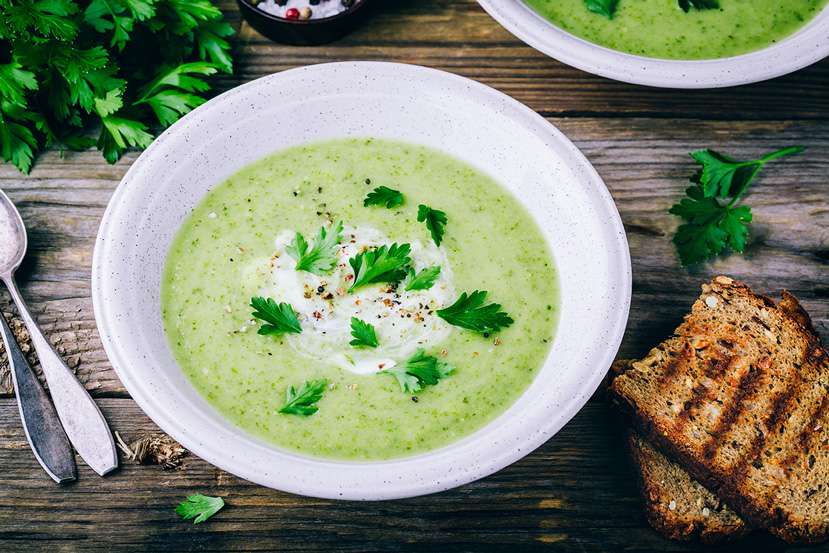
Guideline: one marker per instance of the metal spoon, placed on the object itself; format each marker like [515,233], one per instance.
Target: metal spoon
[82,420]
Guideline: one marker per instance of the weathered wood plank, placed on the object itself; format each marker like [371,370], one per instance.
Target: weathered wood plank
[541,500]
[643,161]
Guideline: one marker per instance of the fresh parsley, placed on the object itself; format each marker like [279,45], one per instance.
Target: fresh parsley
[383,264]
[126,68]
[435,221]
[363,333]
[713,220]
[419,371]
[322,258]
[302,402]
[709,227]
[723,176]
[383,195]
[423,280]
[470,312]
[199,507]
[603,7]
[280,318]
[686,5]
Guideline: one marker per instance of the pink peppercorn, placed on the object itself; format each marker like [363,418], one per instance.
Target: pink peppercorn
[292,13]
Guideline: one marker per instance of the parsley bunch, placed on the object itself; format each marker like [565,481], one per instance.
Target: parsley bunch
[124,67]
[713,221]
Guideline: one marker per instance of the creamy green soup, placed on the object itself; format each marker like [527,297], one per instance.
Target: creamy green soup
[233,247]
[661,29]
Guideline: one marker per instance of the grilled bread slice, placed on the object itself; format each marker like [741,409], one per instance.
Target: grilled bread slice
[739,396]
[678,506]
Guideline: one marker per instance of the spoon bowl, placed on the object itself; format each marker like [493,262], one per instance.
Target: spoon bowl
[13,240]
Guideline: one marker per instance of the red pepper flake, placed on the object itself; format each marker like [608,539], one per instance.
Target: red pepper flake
[317,315]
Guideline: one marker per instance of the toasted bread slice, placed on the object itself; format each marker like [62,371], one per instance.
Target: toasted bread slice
[739,397]
[678,506]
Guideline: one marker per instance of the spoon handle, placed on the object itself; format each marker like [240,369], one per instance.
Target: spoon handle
[82,420]
[40,421]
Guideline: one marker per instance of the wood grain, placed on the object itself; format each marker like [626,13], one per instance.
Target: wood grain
[542,500]
[576,493]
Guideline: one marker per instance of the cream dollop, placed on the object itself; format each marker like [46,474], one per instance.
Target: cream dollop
[403,321]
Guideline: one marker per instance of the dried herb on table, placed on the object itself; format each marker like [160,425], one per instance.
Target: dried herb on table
[153,449]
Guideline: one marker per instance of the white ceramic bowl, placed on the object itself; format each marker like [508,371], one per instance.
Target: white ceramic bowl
[807,46]
[461,117]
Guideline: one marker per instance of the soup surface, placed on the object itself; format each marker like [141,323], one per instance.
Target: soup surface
[235,246]
[661,29]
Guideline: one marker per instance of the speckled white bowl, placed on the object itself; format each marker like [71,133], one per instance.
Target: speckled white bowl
[807,46]
[459,116]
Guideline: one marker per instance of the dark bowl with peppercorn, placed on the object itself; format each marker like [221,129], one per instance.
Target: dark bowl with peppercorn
[300,25]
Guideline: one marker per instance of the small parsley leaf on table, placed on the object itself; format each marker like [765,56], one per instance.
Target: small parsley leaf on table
[322,258]
[383,195]
[302,402]
[363,333]
[723,176]
[423,280]
[470,312]
[419,371]
[383,264]
[199,507]
[280,318]
[435,221]
[603,7]
[686,5]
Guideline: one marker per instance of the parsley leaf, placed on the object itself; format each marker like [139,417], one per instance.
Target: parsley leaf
[723,176]
[435,221]
[713,222]
[17,143]
[470,312]
[382,195]
[15,82]
[322,258]
[175,91]
[686,5]
[383,264]
[364,334]
[280,318]
[419,371]
[603,7]
[301,402]
[423,280]
[200,507]
[709,227]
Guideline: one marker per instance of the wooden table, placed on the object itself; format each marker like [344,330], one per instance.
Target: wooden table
[577,492]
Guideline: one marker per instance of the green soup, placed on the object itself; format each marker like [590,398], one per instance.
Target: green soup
[660,29]
[233,247]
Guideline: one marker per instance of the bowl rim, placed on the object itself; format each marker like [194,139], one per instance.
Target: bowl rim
[804,47]
[305,22]
[619,254]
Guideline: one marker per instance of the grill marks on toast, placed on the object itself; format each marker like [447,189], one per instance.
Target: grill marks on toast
[754,406]
[746,388]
